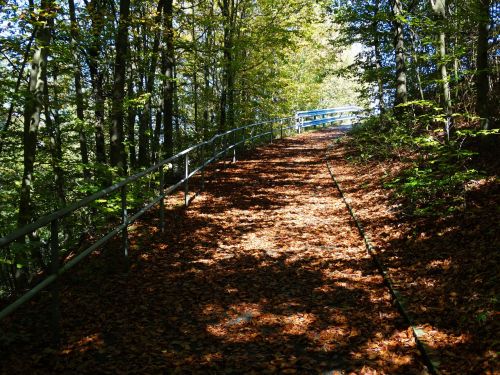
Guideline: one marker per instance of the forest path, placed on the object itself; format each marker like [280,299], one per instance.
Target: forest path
[265,272]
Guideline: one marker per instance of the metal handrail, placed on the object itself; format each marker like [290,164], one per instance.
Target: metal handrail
[327,120]
[326,116]
[54,218]
[328,111]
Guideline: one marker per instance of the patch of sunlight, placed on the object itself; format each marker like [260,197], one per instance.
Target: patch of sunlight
[257,241]
[212,309]
[436,338]
[85,343]
[346,285]
[145,256]
[207,262]
[298,324]
[444,264]
[386,348]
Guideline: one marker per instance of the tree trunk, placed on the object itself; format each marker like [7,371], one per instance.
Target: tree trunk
[208,88]
[439,7]
[131,115]
[378,59]
[33,107]
[227,90]
[55,144]
[117,149]
[195,67]
[482,65]
[145,119]
[415,61]
[168,61]
[96,11]
[156,150]
[78,91]
[401,88]
[139,69]
[155,146]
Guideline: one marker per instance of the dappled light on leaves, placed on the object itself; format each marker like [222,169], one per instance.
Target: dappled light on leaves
[264,272]
[445,266]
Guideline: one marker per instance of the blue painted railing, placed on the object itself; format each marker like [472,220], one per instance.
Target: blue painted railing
[305,119]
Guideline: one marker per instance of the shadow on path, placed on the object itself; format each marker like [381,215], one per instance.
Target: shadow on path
[264,273]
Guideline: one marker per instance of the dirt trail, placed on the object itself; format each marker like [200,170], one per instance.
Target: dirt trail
[264,273]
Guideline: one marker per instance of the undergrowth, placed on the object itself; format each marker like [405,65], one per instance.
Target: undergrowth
[436,172]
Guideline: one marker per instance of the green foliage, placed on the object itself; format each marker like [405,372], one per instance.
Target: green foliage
[380,138]
[435,184]
[433,190]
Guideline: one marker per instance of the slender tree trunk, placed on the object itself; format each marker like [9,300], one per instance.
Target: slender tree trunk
[33,107]
[145,118]
[445,79]
[156,134]
[456,68]
[378,59]
[416,62]
[206,84]
[206,101]
[96,11]
[179,141]
[401,87]
[439,7]
[195,67]
[55,143]
[131,115]
[168,85]
[117,148]
[231,74]
[227,7]
[78,91]
[207,89]
[160,110]
[143,143]
[482,65]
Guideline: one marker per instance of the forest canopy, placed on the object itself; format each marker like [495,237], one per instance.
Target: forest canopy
[92,91]
[113,111]
[96,85]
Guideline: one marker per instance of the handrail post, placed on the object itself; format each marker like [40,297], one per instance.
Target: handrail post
[203,166]
[55,264]
[243,131]
[162,201]
[124,221]
[186,181]
[234,146]
[281,129]
[297,123]
[272,129]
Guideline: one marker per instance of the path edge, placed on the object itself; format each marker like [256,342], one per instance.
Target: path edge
[418,333]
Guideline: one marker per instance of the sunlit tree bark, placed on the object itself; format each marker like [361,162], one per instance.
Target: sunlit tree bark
[33,108]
